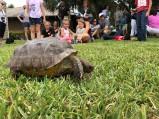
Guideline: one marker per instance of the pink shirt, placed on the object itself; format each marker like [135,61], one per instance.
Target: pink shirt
[34,8]
[67,37]
[153,21]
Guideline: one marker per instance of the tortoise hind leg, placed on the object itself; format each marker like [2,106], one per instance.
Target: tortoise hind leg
[15,74]
[77,67]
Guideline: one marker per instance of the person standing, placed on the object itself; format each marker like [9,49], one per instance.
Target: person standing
[133,24]
[3,21]
[25,21]
[117,16]
[106,13]
[85,10]
[35,9]
[143,8]
[63,9]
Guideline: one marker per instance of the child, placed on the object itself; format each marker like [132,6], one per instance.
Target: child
[81,33]
[55,27]
[65,32]
[107,33]
[35,9]
[25,21]
[47,31]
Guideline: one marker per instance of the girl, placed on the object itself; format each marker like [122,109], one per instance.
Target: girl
[55,27]
[65,32]
[35,9]
[25,21]
[81,32]
[3,21]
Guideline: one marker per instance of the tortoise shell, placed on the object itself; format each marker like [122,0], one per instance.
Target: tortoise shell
[40,54]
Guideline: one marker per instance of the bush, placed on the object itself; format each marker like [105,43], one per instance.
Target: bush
[16,35]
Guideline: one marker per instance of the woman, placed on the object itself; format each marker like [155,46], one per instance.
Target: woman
[35,9]
[95,29]
[25,21]
[3,20]
[153,23]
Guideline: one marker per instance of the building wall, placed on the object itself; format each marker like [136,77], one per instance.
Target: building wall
[15,25]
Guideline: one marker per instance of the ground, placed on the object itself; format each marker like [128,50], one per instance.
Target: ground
[124,85]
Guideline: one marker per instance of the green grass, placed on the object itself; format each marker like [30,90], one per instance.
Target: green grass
[124,85]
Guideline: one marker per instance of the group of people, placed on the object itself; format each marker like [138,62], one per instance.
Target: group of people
[31,15]
[87,28]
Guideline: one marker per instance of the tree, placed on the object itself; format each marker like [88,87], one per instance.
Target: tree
[11,6]
[97,4]
[51,4]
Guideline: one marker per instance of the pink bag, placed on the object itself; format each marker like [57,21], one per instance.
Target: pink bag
[119,38]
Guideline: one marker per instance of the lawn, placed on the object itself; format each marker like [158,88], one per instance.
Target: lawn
[124,85]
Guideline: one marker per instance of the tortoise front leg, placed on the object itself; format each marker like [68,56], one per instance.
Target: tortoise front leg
[87,67]
[77,67]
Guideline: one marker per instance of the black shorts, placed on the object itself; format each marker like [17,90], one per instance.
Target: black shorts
[34,21]
[26,24]
[2,29]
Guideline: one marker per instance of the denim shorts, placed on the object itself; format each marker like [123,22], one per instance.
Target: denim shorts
[26,24]
[34,21]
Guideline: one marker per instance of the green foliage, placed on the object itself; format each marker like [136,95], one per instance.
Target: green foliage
[124,85]
[11,6]
[95,4]
[51,4]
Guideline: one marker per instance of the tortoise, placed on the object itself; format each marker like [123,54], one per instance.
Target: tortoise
[48,57]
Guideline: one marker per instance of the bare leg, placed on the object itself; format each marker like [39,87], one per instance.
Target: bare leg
[85,38]
[38,32]
[26,33]
[96,32]
[32,28]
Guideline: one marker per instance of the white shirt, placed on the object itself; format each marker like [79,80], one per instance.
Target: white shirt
[34,8]
[142,3]
[3,17]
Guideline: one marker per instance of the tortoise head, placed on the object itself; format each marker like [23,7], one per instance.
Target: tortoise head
[87,67]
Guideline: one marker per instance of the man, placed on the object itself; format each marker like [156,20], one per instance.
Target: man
[47,31]
[25,21]
[63,9]
[85,10]
[117,16]
[143,8]
[106,13]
